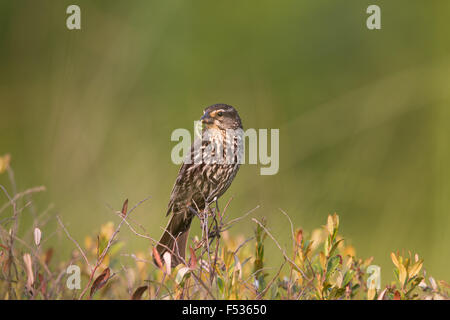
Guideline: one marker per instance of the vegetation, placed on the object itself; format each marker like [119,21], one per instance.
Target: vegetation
[317,266]
[363,115]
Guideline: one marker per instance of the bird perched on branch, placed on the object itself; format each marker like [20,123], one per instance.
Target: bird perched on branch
[204,176]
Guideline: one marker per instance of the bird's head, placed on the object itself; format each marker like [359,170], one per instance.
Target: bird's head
[222,117]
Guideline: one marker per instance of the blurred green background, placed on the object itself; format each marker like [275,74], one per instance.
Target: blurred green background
[363,115]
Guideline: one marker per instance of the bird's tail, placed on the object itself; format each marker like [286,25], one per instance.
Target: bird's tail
[175,238]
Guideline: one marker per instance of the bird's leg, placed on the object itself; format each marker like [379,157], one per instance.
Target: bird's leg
[217,231]
[201,217]
[214,229]
[204,224]
[217,205]
[211,212]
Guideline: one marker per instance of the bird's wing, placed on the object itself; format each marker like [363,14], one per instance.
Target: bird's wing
[179,186]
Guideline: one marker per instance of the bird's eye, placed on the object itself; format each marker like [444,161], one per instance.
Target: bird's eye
[220,113]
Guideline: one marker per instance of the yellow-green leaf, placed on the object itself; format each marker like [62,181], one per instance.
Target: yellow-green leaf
[4,162]
[330,225]
[402,275]
[371,293]
[323,260]
[395,260]
[415,268]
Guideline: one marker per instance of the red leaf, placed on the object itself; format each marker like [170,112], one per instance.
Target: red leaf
[397,295]
[125,208]
[139,292]
[100,281]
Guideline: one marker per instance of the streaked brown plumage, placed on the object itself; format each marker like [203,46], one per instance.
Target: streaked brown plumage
[203,177]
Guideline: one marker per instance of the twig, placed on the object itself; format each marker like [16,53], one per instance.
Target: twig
[242,244]
[262,294]
[204,286]
[10,261]
[163,285]
[20,195]
[226,207]
[230,223]
[281,249]
[108,246]
[74,241]
[294,248]
[292,228]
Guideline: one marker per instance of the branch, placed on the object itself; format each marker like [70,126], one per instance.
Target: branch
[281,249]
[74,241]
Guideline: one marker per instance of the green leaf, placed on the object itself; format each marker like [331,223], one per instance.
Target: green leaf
[334,247]
[333,263]
[347,277]
[220,284]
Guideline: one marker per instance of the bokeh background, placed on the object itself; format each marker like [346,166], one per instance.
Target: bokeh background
[363,115]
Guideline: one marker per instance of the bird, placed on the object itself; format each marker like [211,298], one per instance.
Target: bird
[206,173]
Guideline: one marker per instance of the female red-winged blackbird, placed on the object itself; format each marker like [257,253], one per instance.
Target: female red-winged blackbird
[205,175]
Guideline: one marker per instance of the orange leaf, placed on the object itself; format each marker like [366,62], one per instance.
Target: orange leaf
[193,260]
[157,258]
[48,256]
[299,237]
[397,295]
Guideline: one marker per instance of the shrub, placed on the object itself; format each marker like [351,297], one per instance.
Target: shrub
[321,266]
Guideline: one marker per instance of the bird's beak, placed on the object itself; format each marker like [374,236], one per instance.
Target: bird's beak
[206,119]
